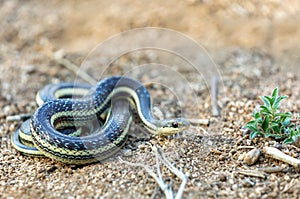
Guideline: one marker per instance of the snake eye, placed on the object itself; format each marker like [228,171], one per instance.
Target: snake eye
[174,124]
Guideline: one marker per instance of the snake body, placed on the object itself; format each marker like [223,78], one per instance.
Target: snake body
[118,94]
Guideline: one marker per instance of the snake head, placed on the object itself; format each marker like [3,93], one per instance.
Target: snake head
[172,126]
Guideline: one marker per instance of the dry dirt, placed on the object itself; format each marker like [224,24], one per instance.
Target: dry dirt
[254,44]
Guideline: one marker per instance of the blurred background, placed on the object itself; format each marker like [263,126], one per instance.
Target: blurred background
[221,26]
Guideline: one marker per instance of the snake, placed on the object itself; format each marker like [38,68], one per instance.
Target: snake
[63,126]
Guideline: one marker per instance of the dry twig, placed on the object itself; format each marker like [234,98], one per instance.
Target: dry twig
[214,96]
[158,176]
[294,184]
[17,118]
[245,147]
[199,121]
[270,169]
[199,129]
[278,155]
[253,173]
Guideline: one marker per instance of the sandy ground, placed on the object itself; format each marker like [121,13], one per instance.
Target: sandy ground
[254,45]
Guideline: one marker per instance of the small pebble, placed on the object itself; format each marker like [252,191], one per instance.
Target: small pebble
[222,177]
[248,183]
[209,143]
[241,157]
[245,131]
[252,156]
[127,152]
[277,145]
[222,158]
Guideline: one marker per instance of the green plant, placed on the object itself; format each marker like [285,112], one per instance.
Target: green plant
[268,121]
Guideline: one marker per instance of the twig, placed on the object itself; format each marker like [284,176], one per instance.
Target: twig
[271,169]
[149,171]
[294,184]
[198,129]
[214,96]
[245,147]
[278,155]
[249,181]
[174,170]
[59,57]
[253,173]
[17,118]
[158,177]
[196,121]
[157,166]
[154,193]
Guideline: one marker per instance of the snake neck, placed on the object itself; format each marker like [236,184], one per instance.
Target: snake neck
[169,126]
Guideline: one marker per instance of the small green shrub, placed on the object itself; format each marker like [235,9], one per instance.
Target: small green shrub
[268,121]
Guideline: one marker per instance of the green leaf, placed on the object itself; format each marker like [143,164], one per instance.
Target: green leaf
[252,134]
[266,101]
[270,135]
[251,122]
[294,133]
[255,115]
[279,136]
[283,130]
[265,124]
[295,138]
[286,122]
[255,133]
[282,119]
[251,126]
[274,123]
[277,102]
[270,99]
[264,110]
[282,116]
[276,129]
[275,93]
[288,140]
